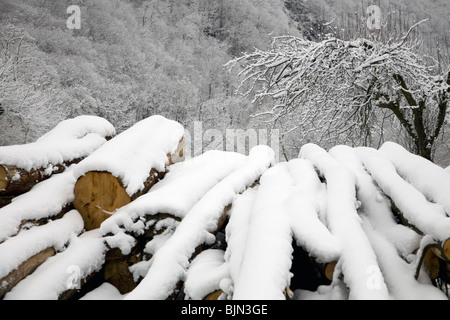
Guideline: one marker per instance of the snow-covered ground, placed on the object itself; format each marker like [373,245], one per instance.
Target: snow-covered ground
[226,221]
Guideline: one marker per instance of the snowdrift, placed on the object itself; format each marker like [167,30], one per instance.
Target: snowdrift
[132,219]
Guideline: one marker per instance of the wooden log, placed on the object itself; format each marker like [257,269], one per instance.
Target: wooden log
[26,268]
[71,140]
[15,181]
[431,262]
[221,223]
[98,194]
[29,223]
[288,293]
[443,250]
[433,257]
[5,200]
[76,293]
[214,296]
[117,265]
[328,270]
[116,269]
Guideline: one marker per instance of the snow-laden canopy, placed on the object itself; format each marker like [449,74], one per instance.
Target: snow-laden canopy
[369,223]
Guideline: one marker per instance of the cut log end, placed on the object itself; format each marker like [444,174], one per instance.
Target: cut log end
[446,250]
[329,270]
[443,250]
[214,296]
[179,154]
[431,261]
[97,196]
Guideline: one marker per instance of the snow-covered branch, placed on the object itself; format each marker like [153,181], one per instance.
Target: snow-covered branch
[342,83]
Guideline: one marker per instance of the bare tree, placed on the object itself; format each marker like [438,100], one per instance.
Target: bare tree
[345,90]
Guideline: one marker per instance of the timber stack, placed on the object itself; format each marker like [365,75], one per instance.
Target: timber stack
[24,166]
[95,209]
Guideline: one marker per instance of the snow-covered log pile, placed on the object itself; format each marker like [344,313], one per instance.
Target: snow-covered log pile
[126,167]
[23,166]
[347,223]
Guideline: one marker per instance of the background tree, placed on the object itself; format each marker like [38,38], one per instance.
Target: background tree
[346,91]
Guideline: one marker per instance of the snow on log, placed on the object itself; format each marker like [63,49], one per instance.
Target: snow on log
[105,291]
[265,271]
[375,205]
[47,200]
[189,180]
[152,218]
[357,256]
[306,205]
[398,273]
[23,270]
[60,276]
[22,166]
[126,167]
[205,274]
[288,202]
[237,234]
[430,179]
[23,253]
[171,261]
[430,218]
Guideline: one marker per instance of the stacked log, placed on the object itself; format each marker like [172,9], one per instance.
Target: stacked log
[121,171]
[436,258]
[158,214]
[24,269]
[24,166]
[126,167]
[36,245]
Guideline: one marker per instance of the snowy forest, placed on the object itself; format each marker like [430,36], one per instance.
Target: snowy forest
[224,150]
[133,59]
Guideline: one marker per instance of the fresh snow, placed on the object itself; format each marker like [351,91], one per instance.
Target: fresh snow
[336,205]
[268,247]
[430,179]
[397,273]
[205,274]
[105,291]
[83,256]
[188,181]
[71,139]
[305,206]
[237,234]
[264,220]
[428,217]
[44,200]
[27,243]
[357,256]
[374,204]
[133,153]
[172,260]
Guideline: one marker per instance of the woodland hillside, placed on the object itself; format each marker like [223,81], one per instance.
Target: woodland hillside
[133,59]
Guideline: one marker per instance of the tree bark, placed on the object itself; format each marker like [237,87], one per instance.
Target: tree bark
[26,268]
[15,181]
